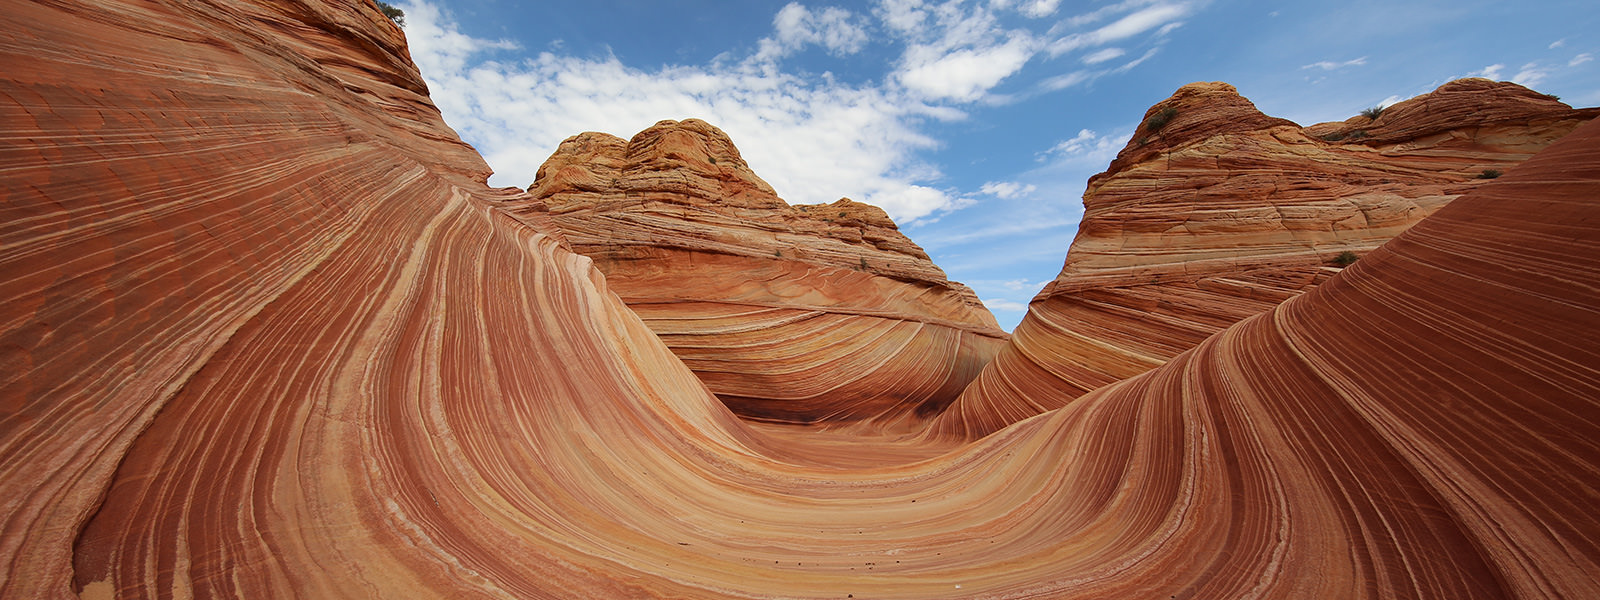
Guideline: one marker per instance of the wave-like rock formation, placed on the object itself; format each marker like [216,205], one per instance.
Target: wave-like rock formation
[1215,212]
[267,334]
[819,314]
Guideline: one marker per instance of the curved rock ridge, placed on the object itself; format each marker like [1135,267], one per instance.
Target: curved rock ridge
[1222,212]
[206,204]
[273,354]
[1193,113]
[1465,115]
[822,314]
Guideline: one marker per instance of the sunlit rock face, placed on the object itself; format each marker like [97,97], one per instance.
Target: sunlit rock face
[820,313]
[1215,212]
[267,334]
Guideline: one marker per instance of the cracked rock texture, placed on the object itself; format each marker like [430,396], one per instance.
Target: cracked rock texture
[1221,212]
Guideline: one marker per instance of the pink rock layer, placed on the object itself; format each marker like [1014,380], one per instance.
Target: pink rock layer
[821,314]
[266,338]
[1215,212]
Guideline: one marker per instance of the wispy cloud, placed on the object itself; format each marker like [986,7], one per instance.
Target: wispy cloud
[1085,145]
[986,262]
[1489,72]
[1102,13]
[1558,43]
[813,137]
[1100,56]
[838,30]
[999,304]
[1066,80]
[1328,65]
[1530,75]
[1154,17]
[814,140]
[1128,66]
[1141,21]
[947,240]
[1007,190]
[1023,285]
[1015,290]
[1039,8]
[1580,59]
[968,73]
[903,16]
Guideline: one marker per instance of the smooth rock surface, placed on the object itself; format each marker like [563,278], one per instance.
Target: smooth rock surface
[816,314]
[265,337]
[1223,212]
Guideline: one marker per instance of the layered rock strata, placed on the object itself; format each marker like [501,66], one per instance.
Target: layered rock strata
[1215,212]
[820,314]
[296,352]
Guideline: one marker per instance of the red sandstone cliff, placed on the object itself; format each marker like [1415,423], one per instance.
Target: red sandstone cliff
[265,338]
[1215,212]
[814,313]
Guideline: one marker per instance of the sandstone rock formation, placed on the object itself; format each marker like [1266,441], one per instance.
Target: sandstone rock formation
[819,313]
[266,334]
[1215,212]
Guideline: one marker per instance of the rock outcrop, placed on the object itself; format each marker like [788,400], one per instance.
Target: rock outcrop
[1215,212]
[820,314]
[265,337]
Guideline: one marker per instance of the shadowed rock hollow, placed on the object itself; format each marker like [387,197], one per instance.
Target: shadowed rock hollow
[266,333]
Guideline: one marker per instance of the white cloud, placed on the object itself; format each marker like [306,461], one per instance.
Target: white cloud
[1136,62]
[1023,284]
[1390,101]
[1059,82]
[1101,13]
[903,16]
[999,304]
[1159,16]
[1066,80]
[1489,72]
[1580,59]
[959,53]
[814,140]
[1328,65]
[1101,56]
[966,74]
[1039,8]
[1141,21]
[1076,145]
[836,29]
[908,201]
[1530,75]
[1558,43]
[1007,190]
[1086,145]
[987,262]
[811,136]
[1002,230]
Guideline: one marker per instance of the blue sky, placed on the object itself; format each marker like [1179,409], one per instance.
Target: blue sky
[975,123]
